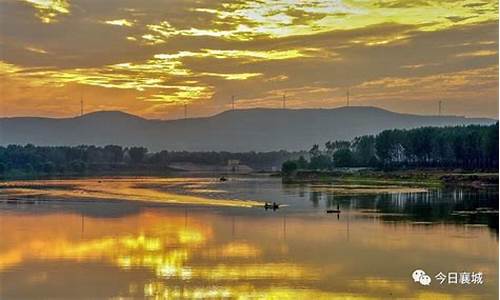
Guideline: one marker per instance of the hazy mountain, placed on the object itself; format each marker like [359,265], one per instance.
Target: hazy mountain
[240,130]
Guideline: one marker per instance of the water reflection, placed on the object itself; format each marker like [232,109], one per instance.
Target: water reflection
[129,189]
[456,206]
[129,249]
[160,242]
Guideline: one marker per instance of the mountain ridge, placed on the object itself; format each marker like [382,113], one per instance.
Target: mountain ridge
[257,129]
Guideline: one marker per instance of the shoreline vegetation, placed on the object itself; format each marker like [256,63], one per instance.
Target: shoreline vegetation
[412,178]
[30,161]
[461,155]
[426,156]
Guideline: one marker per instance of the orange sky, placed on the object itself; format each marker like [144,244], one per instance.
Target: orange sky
[151,57]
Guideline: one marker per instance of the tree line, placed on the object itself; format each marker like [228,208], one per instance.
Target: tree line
[466,147]
[31,159]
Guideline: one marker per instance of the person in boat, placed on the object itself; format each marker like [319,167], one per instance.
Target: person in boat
[273,205]
[334,210]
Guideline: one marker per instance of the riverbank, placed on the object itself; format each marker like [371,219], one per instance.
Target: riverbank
[412,178]
[425,178]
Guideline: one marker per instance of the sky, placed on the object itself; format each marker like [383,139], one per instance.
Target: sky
[155,58]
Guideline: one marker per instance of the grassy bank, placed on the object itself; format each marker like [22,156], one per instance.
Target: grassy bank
[427,178]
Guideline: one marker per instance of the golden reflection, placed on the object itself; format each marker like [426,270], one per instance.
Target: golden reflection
[235,249]
[381,284]
[190,237]
[173,252]
[167,250]
[159,290]
[194,255]
[113,189]
[478,53]
[366,189]
[259,271]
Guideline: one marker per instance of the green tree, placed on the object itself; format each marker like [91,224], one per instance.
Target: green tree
[320,162]
[314,151]
[137,154]
[48,167]
[343,158]
[302,163]
[289,167]
[113,153]
[364,150]
[78,166]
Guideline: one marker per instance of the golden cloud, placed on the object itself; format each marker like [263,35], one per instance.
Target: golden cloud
[48,10]
[165,73]
[248,20]
[120,22]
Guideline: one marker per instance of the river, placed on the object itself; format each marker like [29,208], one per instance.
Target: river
[197,237]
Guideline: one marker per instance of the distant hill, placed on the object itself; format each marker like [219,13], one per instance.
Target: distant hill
[239,130]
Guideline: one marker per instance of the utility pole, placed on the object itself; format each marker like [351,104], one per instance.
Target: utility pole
[284,101]
[347,96]
[439,107]
[232,101]
[185,110]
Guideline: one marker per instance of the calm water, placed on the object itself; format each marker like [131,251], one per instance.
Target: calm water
[231,248]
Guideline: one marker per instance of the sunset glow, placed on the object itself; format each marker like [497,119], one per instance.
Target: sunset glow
[150,58]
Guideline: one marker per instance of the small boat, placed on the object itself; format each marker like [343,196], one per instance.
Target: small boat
[223,179]
[333,211]
[273,206]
